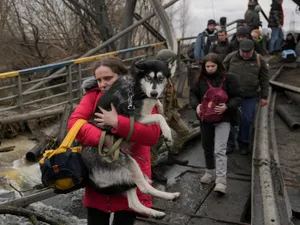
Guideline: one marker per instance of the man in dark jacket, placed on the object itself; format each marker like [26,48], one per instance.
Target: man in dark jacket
[204,40]
[239,23]
[252,16]
[241,34]
[220,47]
[276,21]
[253,72]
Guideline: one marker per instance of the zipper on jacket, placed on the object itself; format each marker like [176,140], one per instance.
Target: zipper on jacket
[108,204]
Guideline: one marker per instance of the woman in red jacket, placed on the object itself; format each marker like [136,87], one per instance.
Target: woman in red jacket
[100,206]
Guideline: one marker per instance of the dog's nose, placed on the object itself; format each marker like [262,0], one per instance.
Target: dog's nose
[154,94]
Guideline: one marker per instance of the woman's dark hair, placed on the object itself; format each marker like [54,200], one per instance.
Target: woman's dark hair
[290,34]
[114,63]
[212,57]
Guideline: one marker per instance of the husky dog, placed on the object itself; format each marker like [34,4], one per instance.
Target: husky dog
[144,86]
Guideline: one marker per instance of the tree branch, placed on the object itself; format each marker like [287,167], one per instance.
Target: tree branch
[33,216]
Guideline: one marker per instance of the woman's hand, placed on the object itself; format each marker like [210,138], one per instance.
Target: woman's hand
[108,118]
[198,110]
[221,108]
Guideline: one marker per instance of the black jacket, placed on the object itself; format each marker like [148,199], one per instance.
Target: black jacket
[220,48]
[231,86]
[252,18]
[235,45]
[276,15]
[252,76]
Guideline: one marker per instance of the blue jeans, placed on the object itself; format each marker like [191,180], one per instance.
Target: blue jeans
[276,38]
[248,107]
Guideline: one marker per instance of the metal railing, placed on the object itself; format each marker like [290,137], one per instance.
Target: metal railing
[28,90]
[17,94]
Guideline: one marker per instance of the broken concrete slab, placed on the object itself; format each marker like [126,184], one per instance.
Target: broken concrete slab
[195,154]
[294,197]
[206,221]
[229,207]
[187,184]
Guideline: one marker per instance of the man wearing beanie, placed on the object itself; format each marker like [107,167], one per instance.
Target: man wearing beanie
[204,40]
[254,81]
[241,34]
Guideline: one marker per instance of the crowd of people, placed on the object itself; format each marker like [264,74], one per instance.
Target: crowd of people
[234,70]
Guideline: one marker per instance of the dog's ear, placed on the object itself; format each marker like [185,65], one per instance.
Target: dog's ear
[137,66]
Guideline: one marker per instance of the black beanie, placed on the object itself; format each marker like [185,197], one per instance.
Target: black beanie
[210,22]
[242,32]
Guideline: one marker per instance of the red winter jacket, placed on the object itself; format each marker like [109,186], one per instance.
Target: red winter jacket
[143,136]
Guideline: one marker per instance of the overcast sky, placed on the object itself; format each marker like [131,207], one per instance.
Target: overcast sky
[202,10]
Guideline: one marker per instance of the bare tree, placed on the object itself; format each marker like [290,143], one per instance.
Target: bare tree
[129,9]
[94,12]
[44,31]
[184,17]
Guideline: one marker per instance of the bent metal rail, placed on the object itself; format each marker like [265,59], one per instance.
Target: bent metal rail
[270,203]
[15,95]
[72,86]
[19,94]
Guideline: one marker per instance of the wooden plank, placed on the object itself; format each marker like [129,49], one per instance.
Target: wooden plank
[64,123]
[36,130]
[7,149]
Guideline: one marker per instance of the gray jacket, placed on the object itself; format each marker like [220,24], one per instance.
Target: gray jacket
[203,42]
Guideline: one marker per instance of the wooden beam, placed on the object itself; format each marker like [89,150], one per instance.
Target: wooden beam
[7,149]
[31,115]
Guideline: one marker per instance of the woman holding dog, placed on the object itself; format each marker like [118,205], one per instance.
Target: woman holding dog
[99,207]
[215,134]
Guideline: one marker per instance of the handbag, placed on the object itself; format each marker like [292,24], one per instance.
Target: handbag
[63,168]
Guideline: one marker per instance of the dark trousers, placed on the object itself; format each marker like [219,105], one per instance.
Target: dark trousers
[98,217]
[232,137]
[248,108]
[208,144]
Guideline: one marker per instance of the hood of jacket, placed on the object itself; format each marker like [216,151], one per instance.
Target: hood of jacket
[89,84]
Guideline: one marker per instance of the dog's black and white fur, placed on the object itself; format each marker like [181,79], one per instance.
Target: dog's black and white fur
[147,80]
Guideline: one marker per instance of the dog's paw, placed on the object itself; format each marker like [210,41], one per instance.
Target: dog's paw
[172,196]
[176,195]
[157,214]
[167,133]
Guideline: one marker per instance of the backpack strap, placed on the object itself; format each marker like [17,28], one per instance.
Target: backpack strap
[221,85]
[112,154]
[68,140]
[208,83]
[258,60]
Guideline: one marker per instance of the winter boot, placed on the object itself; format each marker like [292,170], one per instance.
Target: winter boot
[208,177]
[220,187]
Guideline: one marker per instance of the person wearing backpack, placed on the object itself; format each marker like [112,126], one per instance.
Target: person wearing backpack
[204,40]
[253,72]
[214,96]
